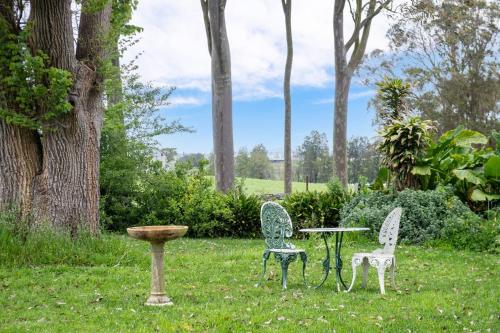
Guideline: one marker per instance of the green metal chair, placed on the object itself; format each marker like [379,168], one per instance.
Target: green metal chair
[276,226]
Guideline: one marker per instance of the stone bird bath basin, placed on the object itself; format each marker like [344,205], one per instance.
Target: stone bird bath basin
[157,236]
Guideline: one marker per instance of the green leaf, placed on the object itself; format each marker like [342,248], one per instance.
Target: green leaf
[422,170]
[478,195]
[468,175]
[466,138]
[496,136]
[492,167]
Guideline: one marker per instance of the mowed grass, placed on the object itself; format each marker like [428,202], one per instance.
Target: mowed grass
[212,282]
[269,186]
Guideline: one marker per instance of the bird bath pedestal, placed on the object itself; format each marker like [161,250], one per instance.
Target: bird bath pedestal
[157,236]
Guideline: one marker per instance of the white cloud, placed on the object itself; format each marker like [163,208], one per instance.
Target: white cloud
[181,101]
[175,49]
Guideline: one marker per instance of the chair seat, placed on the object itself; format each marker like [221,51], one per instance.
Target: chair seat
[286,250]
[372,254]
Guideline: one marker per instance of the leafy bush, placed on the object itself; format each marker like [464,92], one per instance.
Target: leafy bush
[427,215]
[316,209]
[403,142]
[205,210]
[246,213]
[460,158]
[472,233]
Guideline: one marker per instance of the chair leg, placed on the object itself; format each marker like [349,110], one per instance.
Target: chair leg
[381,272]
[354,266]
[284,270]
[303,257]
[393,272]
[366,265]
[265,256]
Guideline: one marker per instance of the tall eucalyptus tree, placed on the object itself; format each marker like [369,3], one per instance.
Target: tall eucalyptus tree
[348,56]
[287,9]
[222,100]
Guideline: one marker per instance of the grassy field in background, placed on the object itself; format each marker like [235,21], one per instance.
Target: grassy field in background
[269,186]
[211,283]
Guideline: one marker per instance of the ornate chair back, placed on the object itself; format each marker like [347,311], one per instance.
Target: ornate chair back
[276,225]
[388,235]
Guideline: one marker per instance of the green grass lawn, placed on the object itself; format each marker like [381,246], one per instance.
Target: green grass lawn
[212,285]
[269,186]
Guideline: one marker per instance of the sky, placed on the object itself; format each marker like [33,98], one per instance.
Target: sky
[173,52]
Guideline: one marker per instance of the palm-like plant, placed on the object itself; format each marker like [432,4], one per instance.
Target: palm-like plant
[403,144]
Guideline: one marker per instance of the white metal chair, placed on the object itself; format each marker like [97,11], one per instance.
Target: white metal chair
[380,258]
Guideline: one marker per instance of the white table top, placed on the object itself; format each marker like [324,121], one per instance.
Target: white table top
[340,229]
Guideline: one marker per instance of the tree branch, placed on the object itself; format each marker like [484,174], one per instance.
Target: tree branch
[93,33]
[367,20]
[206,20]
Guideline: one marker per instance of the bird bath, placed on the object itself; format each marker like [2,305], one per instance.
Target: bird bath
[157,236]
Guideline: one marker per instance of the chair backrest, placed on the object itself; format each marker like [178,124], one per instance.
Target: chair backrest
[388,235]
[276,225]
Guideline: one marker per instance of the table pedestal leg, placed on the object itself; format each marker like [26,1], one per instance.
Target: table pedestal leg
[326,261]
[338,261]
[157,296]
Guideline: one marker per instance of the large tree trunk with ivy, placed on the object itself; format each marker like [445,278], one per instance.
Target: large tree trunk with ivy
[222,100]
[287,9]
[56,165]
[362,13]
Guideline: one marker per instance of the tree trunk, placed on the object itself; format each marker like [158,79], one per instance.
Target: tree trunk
[287,9]
[222,113]
[56,169]
[20,163]
[344,70]
[342,82]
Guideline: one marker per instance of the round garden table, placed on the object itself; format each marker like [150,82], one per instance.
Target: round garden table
[339,234]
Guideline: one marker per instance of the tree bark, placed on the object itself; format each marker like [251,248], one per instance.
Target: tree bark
[342,80]
[20,163]
[287,9]
[344,69]
[57,167]
[222,113]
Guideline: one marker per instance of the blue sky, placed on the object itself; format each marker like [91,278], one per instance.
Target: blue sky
[173,52]
[261,121]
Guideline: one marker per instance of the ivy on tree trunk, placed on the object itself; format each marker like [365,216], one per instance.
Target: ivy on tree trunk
[52,172]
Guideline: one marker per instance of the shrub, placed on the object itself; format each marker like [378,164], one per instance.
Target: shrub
[427,215]
[316,209]
[461,158]
[473,233]
[403,142]
[204,210]
[246,213]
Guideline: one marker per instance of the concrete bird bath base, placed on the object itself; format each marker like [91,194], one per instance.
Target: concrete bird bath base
[157,236]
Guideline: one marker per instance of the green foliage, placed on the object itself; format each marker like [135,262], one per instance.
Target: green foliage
[245,210]
[403,143]
[472,233]
[254,165]
[363,159]
[391,95]
[460,158]
[314,159]
[448,50]
[427,216]
[32,93]
[316,209]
